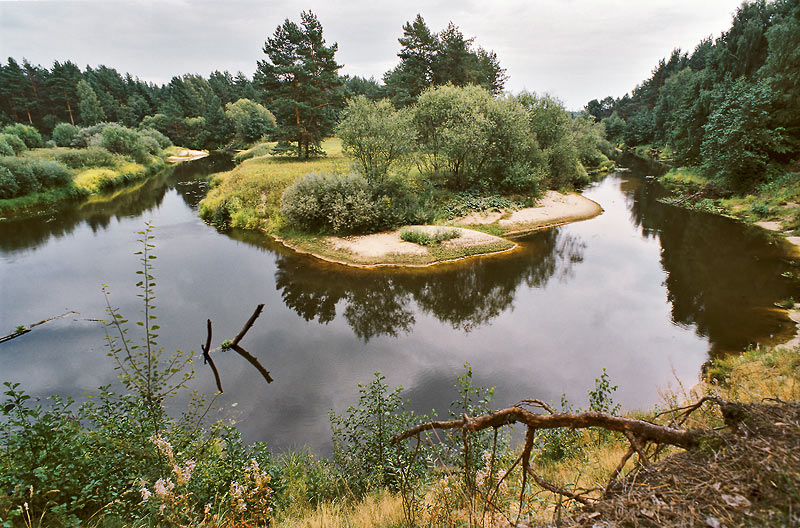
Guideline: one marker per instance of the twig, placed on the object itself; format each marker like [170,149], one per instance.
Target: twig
[207,357]
[28,328]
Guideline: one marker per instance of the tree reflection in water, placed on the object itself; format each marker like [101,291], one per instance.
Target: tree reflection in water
[465,295]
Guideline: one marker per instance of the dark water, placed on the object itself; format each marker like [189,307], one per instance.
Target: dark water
[645,290]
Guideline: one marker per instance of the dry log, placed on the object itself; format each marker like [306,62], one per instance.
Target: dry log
[641,429]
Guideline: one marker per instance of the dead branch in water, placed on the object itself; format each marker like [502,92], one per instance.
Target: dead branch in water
[25,329]
[236,347]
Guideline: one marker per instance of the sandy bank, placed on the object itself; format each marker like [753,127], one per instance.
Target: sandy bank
[778,228]
[187,155]
[553,209]
[388,249]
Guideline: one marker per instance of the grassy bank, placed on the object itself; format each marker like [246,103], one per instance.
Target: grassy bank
[249,196]
[90,171]
[777,201]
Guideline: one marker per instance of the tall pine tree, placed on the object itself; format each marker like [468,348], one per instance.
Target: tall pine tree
[300,76]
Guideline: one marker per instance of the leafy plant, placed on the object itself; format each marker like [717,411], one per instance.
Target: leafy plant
[423,238]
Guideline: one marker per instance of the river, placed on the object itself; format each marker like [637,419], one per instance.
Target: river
[647,291]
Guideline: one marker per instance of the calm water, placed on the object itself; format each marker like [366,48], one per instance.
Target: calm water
[645,290]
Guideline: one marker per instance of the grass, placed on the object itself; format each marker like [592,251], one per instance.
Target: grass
[778,200]
[86,181]
[249,196]
[423,238]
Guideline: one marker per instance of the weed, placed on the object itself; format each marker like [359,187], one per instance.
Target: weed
[424,238]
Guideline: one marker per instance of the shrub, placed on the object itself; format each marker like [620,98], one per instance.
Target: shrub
[120,139]
[16,144]
[423,238]
[340,204]
[8,184]
[88,157]
[362,450]
[64,134]
[87,136]
[162,140]
[29,135]
[5,148]
[32,175]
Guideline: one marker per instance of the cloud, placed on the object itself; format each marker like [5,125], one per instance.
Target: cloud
[575,49]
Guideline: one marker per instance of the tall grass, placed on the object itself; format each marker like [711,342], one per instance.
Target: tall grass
[249,196]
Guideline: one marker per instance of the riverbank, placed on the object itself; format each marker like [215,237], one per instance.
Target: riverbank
[479,234]
[774,206]
[82,173]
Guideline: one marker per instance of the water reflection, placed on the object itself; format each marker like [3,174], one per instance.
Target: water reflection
[464,295]
[99,211]
[722,278]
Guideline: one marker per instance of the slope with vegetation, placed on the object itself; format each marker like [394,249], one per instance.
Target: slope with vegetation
[728,113]
[77,162]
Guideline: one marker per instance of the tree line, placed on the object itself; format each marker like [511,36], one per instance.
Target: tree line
[298,82]
[731,107]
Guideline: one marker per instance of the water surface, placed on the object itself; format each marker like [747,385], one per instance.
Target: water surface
[645,290]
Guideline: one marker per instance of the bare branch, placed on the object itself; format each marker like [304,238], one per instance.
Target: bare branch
[253,361]
[642,429]
[207,357]
[247,325]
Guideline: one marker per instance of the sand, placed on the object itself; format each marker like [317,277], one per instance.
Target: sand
[553,208]
[187,155]
[389,243]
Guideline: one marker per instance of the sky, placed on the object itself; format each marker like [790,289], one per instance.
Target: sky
[577,50]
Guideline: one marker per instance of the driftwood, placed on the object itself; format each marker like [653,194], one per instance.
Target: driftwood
[638,432]
[28,328]
[234,345]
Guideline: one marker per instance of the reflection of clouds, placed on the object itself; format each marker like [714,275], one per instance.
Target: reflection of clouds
[466,295]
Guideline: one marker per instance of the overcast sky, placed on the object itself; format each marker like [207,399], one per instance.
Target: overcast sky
[577,50]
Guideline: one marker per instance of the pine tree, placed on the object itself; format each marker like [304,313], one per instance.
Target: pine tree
[300,76]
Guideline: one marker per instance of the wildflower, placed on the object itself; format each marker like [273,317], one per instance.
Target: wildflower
[163,488]
[163,445]
[183,475]
[145,494]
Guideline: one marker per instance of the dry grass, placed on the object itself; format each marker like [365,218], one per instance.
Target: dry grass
[381,510]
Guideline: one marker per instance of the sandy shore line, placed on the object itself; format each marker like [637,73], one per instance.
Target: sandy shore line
[389,249]
[552,210]
[187,155]
[778,228]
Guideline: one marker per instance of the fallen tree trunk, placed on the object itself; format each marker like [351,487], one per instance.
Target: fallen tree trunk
[640,429]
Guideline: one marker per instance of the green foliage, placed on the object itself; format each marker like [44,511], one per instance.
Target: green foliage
[123,140]
[561,443]
[251,121]
[300,74]
[430,59]
[28,134]
[601,397]
[739,140]
[363,454]
[31,175]
[5,148]
[376,135]
[344,204]
[86,158]
[261,149]
[466,202]
[162,140]
[64,134]
[17,145]
[90,108]
[120,457]
[423,238]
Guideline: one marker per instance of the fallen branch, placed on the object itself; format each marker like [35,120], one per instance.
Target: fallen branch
[30,327]
[644,430]
[236,347]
